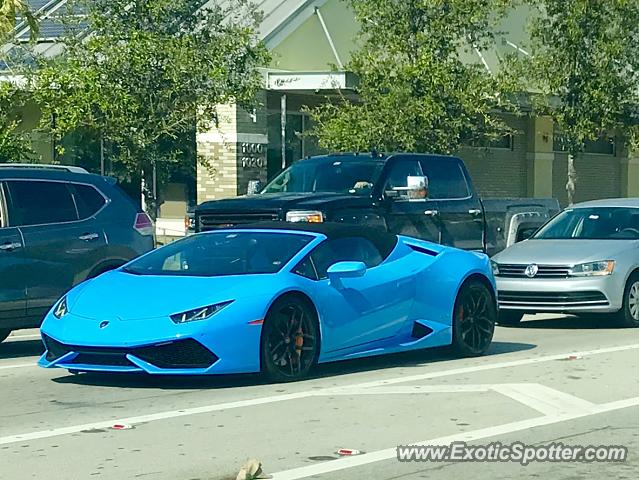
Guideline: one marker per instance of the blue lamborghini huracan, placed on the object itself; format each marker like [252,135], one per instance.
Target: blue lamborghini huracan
[274,298]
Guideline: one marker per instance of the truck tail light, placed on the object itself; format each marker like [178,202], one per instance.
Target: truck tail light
[143,224]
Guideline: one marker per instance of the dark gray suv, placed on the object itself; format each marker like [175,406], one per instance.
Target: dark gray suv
[58,227]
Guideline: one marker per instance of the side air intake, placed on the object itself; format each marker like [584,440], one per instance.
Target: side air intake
[420,331]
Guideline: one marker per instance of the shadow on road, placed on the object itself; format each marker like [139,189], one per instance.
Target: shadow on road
[594,322]
[405,360]
[23,348]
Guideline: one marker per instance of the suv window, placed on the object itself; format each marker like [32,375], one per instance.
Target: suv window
[87,199]
[446,179]
[351,249]
[2,217]
[40,202]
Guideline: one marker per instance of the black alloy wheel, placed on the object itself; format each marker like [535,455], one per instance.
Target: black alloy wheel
[474,319]
[290,339]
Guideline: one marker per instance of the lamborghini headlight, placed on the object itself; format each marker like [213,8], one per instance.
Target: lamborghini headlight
[197,314]
[61,309]
[306,216]
[593,269]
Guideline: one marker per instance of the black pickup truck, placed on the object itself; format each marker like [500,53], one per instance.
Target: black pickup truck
[424,196]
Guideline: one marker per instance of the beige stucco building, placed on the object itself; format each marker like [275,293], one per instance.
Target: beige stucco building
[311,41]
[308,39]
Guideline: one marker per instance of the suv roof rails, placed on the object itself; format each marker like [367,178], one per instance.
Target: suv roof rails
[66,168]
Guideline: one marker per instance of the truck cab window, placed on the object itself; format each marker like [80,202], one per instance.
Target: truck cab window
[398,176]
[446,179]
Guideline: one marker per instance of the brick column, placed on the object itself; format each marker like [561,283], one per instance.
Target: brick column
[540,157]
[232,153]
[630,175]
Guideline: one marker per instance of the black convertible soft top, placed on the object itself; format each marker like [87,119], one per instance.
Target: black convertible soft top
[383,240]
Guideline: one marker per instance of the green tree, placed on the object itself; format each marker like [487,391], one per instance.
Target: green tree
[584,59]
[416,93]
[148,74]
[10,10]
[15,144]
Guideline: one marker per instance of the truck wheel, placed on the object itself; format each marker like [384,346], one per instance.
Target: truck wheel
[4,334]
[510,318]
[628,316]
[474,320]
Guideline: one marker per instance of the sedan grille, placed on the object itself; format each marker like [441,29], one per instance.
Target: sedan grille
[186,353]
[545,271]
[212,221]
[554,300]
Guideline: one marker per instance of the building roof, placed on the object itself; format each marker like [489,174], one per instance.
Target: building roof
[281,17]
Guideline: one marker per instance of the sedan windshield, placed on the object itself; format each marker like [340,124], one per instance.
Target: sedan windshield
[328,174]
[595,223]
[223,253]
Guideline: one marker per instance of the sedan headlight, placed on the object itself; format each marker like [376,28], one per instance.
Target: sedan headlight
[199,313]
[593,269]
[306,216]
[61,309]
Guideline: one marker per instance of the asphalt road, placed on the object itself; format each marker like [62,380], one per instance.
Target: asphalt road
[569,380]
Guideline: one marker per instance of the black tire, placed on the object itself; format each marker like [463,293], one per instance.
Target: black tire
[290,342]
[4,333]
[509,317]
[474,319]
[628,316]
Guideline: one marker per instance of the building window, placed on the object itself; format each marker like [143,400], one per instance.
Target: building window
[604,145]
[503,142]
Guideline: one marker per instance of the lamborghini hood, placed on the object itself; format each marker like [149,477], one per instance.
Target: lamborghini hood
[137,297]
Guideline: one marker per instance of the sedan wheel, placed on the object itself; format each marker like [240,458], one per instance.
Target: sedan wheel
[474,320]
[629,314]
[290,340]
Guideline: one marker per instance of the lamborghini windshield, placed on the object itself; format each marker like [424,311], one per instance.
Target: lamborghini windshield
[594,223]
[223,253]
[354,175]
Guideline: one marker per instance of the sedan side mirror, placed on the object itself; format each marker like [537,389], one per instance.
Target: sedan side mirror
[340,270]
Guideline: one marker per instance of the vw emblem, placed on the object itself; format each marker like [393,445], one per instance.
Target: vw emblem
[531,270]
[104,324]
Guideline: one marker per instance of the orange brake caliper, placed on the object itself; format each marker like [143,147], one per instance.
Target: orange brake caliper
[299,342]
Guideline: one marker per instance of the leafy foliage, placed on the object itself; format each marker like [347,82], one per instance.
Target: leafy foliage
[10,10]
[416,91]
[15,145]
[148,72]
[585,60]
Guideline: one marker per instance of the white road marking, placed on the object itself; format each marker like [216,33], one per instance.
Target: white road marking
[544,399]
[391,453]
[412,389]
[19,365]
[304,394]
[18,337]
